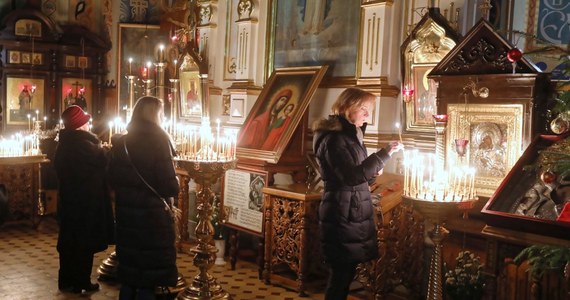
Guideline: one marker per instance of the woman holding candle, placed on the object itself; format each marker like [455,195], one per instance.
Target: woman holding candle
[84,210]
[142,174]
[346,217]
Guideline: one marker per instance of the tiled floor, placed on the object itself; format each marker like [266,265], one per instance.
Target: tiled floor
[29,265]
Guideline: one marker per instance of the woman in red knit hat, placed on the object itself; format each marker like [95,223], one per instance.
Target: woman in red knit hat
[84,210]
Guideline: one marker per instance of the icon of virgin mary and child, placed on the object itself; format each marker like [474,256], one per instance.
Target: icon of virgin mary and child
[265,130]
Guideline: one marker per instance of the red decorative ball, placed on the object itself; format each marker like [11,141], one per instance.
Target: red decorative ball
[514,55]
[547,177]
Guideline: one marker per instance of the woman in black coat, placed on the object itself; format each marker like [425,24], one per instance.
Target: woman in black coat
[347,230]
[145,239]
[84,209]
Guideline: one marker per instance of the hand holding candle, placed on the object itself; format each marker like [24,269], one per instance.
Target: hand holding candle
[399,132]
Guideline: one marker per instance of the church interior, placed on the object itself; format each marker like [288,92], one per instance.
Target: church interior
[476,206]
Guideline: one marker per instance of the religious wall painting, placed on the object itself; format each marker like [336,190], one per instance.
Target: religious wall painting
[14,57]
[77,91]
[315,32]
[548,21]
[24,100]
[190,89]
[84,13]
[82,62]
[26,58]
[70,61]
[277,112]
[37,58]
[140,11]
[547,27]
[28,28]
[495,135]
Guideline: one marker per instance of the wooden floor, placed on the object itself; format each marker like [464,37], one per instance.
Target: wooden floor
[29,266]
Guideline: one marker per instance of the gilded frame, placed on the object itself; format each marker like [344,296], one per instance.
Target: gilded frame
[190,95]
[243,199]
[418,57]
[294,43]
[495,134]
[17,115]
[141,43]
[271,123]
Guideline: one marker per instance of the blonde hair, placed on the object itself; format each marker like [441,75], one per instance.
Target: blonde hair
[149,109]
[350,99]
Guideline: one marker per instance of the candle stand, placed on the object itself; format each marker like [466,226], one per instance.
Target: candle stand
[437,213]
[205,173]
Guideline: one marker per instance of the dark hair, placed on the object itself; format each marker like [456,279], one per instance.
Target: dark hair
[148,108]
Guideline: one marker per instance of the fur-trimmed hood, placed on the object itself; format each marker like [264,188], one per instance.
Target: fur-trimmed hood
[332,124]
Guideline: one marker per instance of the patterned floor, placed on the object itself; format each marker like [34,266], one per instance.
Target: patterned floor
[29,264]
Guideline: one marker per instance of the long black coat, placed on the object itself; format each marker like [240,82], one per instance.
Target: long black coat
[84,210]
[347,230]
[145,230]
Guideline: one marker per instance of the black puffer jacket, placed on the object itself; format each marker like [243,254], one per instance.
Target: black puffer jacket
[84,209]
[346,222]
[145,230]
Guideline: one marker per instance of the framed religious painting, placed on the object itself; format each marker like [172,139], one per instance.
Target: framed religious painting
[138,49]
[77,91]
[28,28]
[277,112]
[486,137]
[14,57]
[24,100]
[315,32]
[534,193]
[26,57]
[243,199]
[190,90]
[83,62]
[70,61]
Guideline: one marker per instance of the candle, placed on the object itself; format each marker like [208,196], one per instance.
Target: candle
[148,65]
[399,132]
[161,53]
[110,131]
[130,65]
[218,136]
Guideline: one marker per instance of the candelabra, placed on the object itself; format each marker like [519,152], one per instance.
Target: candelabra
[437,194]
[205,174]
[437,213]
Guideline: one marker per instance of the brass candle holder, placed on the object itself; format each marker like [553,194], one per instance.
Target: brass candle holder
[437,213]
[205,174]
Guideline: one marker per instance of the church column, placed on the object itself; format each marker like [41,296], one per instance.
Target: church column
[241,63]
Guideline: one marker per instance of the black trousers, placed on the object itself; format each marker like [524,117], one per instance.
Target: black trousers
[75,268]
[341,275]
